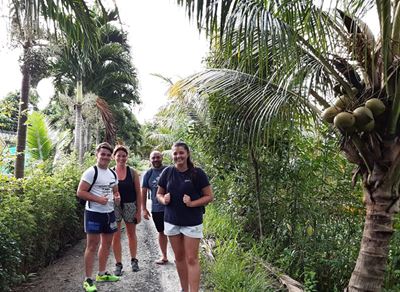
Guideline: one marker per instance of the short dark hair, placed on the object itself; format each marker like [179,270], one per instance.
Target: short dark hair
[104,145]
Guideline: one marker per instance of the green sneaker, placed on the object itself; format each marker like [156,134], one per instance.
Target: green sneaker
[89,286]
[107,277]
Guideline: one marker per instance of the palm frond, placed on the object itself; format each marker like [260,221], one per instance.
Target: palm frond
[361,45]
[251,101]
[108,120]
[75,20]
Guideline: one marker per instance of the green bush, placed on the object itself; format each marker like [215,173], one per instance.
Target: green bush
[39,219]
[305,218]
[17,228]
[54,207]
[10,258]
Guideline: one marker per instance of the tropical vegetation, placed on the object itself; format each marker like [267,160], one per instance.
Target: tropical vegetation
[289,87]
[27,18]
[107,76]
[279,61]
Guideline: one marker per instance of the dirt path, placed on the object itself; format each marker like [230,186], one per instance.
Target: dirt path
[66,274]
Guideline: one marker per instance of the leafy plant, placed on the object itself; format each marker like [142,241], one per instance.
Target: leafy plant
[38,139]
[38,220]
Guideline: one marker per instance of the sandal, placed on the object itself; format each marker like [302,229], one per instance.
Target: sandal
[161,262]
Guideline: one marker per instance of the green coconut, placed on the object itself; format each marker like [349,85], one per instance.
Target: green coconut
[344,121]
[330,113]
[376,106]
[363,115]
[368,127]
[354,90]
[343,101]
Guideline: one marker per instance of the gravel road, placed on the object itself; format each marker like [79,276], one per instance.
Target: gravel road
[66,274]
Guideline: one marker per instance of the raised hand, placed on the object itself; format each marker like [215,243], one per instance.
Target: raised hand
[187,200]
[167,198]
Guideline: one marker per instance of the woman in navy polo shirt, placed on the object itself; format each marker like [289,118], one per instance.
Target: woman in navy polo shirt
[184,190]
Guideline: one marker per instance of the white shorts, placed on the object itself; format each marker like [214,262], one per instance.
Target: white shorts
[189,231]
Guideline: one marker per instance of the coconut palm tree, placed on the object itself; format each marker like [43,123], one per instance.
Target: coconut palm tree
[27,18]
[279,60]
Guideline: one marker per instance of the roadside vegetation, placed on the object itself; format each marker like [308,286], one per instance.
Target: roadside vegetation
[288,203]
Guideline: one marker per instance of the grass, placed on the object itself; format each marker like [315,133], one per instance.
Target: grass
[232,268]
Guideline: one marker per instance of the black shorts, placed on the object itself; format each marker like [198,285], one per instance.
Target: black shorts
[158,218]
[96,222]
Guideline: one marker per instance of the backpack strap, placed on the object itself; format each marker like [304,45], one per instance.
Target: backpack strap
[150,173]
[132,173]
[168,173]
[114,173]
[96,172]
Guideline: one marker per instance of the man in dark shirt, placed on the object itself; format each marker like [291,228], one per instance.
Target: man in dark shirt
[149,185]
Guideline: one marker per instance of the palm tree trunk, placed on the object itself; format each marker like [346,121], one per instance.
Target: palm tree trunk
[369,272]
[78,129]
[258,190]
[97,136]
[97,132]
[88,136]
[82,139]
[23,115]
[78,120]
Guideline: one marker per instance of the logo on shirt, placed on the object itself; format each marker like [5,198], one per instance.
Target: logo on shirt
[154,182]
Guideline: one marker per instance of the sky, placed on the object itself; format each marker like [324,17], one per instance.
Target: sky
[163,41]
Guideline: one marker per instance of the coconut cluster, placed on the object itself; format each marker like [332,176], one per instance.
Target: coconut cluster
[361,119]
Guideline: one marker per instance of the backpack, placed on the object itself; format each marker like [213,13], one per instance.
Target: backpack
[149,173]
[83,201]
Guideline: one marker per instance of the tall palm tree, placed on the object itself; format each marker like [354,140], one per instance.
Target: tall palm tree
[27,18]
[290,59]
[108,73]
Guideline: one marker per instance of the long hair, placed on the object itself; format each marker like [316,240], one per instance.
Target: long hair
[191,167]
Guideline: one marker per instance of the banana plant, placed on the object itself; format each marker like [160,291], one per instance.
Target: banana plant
[38,137]
[282,60]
